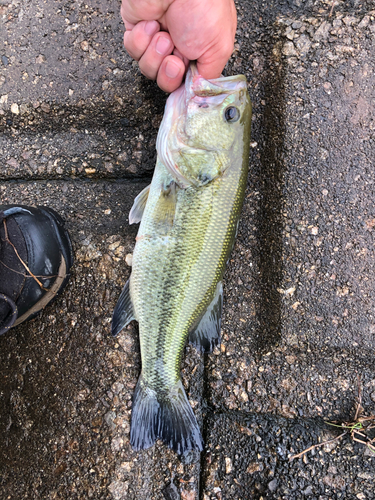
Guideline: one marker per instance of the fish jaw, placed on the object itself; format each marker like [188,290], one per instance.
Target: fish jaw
[174,108]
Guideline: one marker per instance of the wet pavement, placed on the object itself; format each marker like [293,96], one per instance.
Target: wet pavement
[78,127]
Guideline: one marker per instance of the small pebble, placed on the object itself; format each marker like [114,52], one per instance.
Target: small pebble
[15,109]
[272,485]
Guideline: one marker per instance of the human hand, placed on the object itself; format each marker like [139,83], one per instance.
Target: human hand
[164,35]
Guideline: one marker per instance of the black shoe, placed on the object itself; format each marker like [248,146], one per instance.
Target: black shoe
[35,259]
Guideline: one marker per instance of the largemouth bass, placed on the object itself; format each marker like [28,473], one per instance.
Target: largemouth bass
[189,216]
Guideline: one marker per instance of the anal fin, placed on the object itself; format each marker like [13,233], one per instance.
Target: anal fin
[206,335]
[123,313]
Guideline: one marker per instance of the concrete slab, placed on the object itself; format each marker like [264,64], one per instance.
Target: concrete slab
[299,315]
[71,101]
[299,324]
[249,459]
[67,384]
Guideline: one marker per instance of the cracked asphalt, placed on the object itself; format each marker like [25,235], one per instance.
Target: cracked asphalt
[78,125]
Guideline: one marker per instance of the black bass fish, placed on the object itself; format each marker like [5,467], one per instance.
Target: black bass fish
[189,216]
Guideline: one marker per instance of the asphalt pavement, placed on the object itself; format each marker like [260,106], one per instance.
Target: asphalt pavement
[78,125]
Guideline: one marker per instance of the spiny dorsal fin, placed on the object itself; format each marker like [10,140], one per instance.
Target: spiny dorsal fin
[124,312]
[136,212]
[206,335]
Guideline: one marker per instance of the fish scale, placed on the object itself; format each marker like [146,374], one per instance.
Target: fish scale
[189,218]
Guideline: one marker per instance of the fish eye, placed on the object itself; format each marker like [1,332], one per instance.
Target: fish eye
[231,114]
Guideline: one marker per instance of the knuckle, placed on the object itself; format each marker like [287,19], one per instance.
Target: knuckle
[138,39]
[129,50]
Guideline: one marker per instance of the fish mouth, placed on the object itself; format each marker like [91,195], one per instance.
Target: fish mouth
[196,85]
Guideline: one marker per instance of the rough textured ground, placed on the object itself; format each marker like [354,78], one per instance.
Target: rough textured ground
[78,126]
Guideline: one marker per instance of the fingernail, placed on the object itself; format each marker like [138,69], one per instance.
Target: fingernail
[151,27]
[163,46]
[171,69]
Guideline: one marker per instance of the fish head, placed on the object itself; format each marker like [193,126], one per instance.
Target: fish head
[205,127]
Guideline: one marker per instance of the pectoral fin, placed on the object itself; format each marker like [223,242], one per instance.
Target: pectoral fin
[166,207]
[136,212]
[206,335]
[124,312]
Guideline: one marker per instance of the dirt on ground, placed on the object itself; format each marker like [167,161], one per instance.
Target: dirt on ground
[78,125]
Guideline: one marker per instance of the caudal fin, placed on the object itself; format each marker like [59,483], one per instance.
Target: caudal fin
[167,416]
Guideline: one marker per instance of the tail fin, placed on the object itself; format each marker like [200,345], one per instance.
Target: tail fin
[167,416]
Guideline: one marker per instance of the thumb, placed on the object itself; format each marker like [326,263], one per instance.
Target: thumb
[212,62]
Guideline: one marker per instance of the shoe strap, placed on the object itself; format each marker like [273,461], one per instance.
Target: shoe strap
[11,316]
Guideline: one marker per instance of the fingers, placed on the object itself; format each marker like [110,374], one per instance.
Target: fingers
[171,73]
[161,46]
[202,31]
[137,39]
[153,49]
